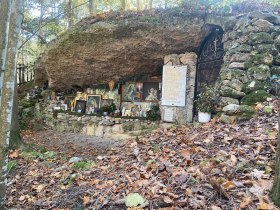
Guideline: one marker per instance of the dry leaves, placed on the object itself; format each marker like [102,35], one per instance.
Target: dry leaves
[182,167]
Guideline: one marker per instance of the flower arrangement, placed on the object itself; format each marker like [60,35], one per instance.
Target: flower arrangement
[204,102]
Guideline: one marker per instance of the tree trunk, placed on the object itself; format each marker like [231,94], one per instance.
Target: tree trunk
[92,7]
[10,21]
[151,4]
[275,192]
[123,5]
[69,13]
[138,2]
[4,20]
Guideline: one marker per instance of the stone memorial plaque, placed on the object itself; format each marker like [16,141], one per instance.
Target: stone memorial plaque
[168,115]
[174,85]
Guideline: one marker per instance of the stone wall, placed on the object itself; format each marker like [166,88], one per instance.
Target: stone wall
[91,125]
[252,47]
[183,115]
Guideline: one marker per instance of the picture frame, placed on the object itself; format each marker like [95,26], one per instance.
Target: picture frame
[106,102]
[93,103]
[151,91]
[70,101]
[80,106]
[135,110]
[132,91]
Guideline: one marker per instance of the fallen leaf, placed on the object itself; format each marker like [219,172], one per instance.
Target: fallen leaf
[133,200]
[215,208]
[228,185]
[245,202]
[168,200]
[86,200]
[265,206]
[14,154]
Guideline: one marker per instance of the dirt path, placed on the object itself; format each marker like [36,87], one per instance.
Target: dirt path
[72,144]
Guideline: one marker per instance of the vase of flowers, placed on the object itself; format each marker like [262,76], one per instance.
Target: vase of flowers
[204,105]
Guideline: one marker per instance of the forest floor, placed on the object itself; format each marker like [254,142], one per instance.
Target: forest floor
[198,166]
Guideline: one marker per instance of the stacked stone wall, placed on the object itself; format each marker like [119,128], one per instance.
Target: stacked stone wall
[252,56]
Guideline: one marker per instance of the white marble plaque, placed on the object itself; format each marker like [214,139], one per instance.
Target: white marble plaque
[168,115]
[174,85]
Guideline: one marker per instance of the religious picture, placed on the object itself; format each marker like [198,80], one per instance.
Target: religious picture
[151,91]
[106,102]
[129,92]
[70,102]
[80,106]
[93,103]
[135,110]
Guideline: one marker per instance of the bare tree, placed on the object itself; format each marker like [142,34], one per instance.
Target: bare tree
[10,21]
[92,7]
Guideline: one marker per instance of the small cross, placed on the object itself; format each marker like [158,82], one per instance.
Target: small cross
[215,43]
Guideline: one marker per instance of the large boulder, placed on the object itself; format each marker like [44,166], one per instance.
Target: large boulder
[120,47]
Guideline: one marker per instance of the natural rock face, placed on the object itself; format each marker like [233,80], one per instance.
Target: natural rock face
[120,47]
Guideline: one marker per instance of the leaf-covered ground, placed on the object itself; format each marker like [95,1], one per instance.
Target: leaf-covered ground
[199,166]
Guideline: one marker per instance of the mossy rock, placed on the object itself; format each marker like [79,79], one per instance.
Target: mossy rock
[275,70]
[260,72]
[266,48]
[255,85]
[276,60]
[262,59]
[244,48]
[230,92]
[229,74]
[245,112]
[277,42]
[254,97]
[248,65]
[268,110]
[260,38]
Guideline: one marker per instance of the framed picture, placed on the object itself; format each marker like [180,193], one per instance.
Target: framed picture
[80,106]
[132,91]
[70,101]
[106,102]
[135,110]
[151,91]
[93,103]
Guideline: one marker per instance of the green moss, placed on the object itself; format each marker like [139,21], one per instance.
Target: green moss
[255,85]
[245,112]
[277,42]
[266,48]
[262,59]
[244,48]
[254,97]
[16,141]
[248,65]
[26,103]
[267,110]
[276,60]
[260,38]
[128,126]
[83,165]
[260,72]
[275,70]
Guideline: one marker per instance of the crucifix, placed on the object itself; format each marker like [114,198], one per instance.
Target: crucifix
[215,44]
